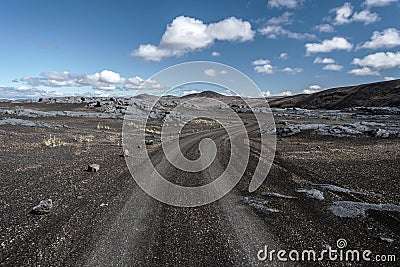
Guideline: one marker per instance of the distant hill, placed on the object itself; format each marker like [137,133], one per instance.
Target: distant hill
[379,94]
[209,94]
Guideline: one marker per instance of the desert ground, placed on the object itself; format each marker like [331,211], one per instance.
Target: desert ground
[335,175]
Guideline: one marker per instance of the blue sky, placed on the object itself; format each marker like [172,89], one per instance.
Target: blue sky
[54,48]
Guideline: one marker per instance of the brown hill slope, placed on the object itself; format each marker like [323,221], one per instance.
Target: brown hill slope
[378,94]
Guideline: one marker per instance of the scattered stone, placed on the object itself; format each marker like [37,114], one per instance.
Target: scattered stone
[351,209]
[93,167]
[273,194]
[376,110]
[380,133]
[125,153]
[259,205]
[338,189]
[149,142]
[14,121]
[43,207]
[288,130]
[312,193]
[387,239]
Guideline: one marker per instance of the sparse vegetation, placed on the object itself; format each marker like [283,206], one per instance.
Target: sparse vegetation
[53,142]
[84,139]
[104,127]
[204,121]
[153,131]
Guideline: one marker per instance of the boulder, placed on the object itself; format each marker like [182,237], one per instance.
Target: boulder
[93,167]
[149,142]
[43,207]
[380,133]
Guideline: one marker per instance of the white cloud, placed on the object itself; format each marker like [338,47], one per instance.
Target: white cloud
[388,38]
[24,88]
[380,60]
[105,80]
[274,31]
[269,94]
[333,67]
[284,3]
[286,93]
[213,72]
[378,3]
[186,34]
[325,28]
[343,14]
[26,92]
[231,29]
[283,56]
[263,66]
[326,60]
[215,54]
[109,76]
[189,92]
[364,72]
[286,18]
[100,94]
[260,62]
[266,94]
[151,52]
[267,68]
[389,78]
[311,89]
[366,17]
[292,70]
[336,43]
[210,72]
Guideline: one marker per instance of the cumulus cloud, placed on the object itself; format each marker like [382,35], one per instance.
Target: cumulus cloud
[104,80]
[326,46]
[389,78]
[269,94]
[186,34]
[388,38]
[344,15]
[366,17]
[213,72]
[333,67]
[215,54]
[285,3]
[326,60]
[263,66]
[267,68]
[283,56]
[210,72]
[380,60]
[274,31]
[292,70]
[260,62]
[378,3]
[151,52]
[285,19]
[26,92]
[311,89]
[364,72]
[189,92]
[324,28]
